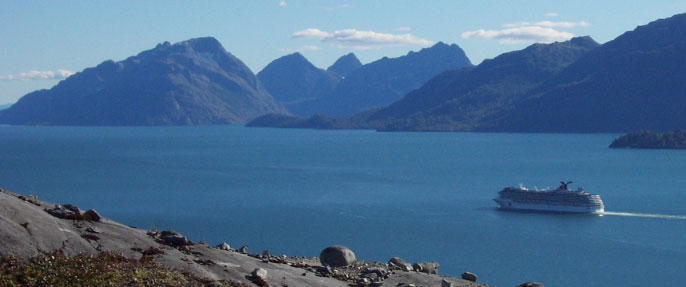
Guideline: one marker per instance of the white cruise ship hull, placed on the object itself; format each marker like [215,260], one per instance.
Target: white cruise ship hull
[521,206]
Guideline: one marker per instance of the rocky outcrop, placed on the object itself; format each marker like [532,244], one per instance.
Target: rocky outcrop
[27,230]
[400,264]
[68,211]
[426,267]
[337,256]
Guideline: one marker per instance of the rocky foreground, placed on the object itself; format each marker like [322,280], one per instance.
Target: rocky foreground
[30,227]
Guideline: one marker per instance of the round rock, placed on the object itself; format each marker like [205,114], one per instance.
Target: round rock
[174,238]
[469,276]
[337,256]
[92,215]
[259,273]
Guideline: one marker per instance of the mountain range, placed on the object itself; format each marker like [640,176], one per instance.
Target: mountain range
[348,87]
[636,81]
[386,80]
[188,83]
[465,99]
[292,80]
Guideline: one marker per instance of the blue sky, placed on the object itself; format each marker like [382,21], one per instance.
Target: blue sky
[45,41]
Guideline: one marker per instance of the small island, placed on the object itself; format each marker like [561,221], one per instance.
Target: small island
[675,139]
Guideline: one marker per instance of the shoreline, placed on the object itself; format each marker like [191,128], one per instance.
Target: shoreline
[31,227]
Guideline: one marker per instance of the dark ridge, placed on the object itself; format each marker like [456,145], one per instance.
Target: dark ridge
[194,82]
[634,82]
[650,140]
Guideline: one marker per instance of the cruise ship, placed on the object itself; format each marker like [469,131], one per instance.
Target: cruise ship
[561,199]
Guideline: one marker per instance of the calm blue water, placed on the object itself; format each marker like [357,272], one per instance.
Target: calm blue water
[420,196]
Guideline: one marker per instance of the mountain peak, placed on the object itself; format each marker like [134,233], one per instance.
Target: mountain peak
[440,44]
[584,41]
[291,60]
[386,80]
[204,44]
[162,82]
[295,57]
[292,78]
[345,64]
[441,48]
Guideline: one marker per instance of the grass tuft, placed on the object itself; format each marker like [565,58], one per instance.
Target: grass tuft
[103,269]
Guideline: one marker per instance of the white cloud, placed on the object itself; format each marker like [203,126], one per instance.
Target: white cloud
[528,32]
[38,75]
[403,29]
[361,40]
[282,3]
[551,14]
[549,24]
[311,33]
[520,35]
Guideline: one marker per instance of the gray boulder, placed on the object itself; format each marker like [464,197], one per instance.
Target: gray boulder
[446,283]
[530,284]
[259,273]
[469,276]
[399,263]
[426,267]
[173,238]
[243,249]
[337,256]
[224,246]
[259,277]
[92,215]
[33,199]
[72,208]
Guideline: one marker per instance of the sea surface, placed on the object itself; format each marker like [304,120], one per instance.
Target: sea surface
[419,196]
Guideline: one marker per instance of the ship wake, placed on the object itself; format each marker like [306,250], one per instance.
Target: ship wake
[645,215]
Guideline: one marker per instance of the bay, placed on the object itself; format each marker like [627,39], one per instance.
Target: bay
[419,196]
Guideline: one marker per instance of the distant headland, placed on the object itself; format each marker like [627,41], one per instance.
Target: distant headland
[651,140]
